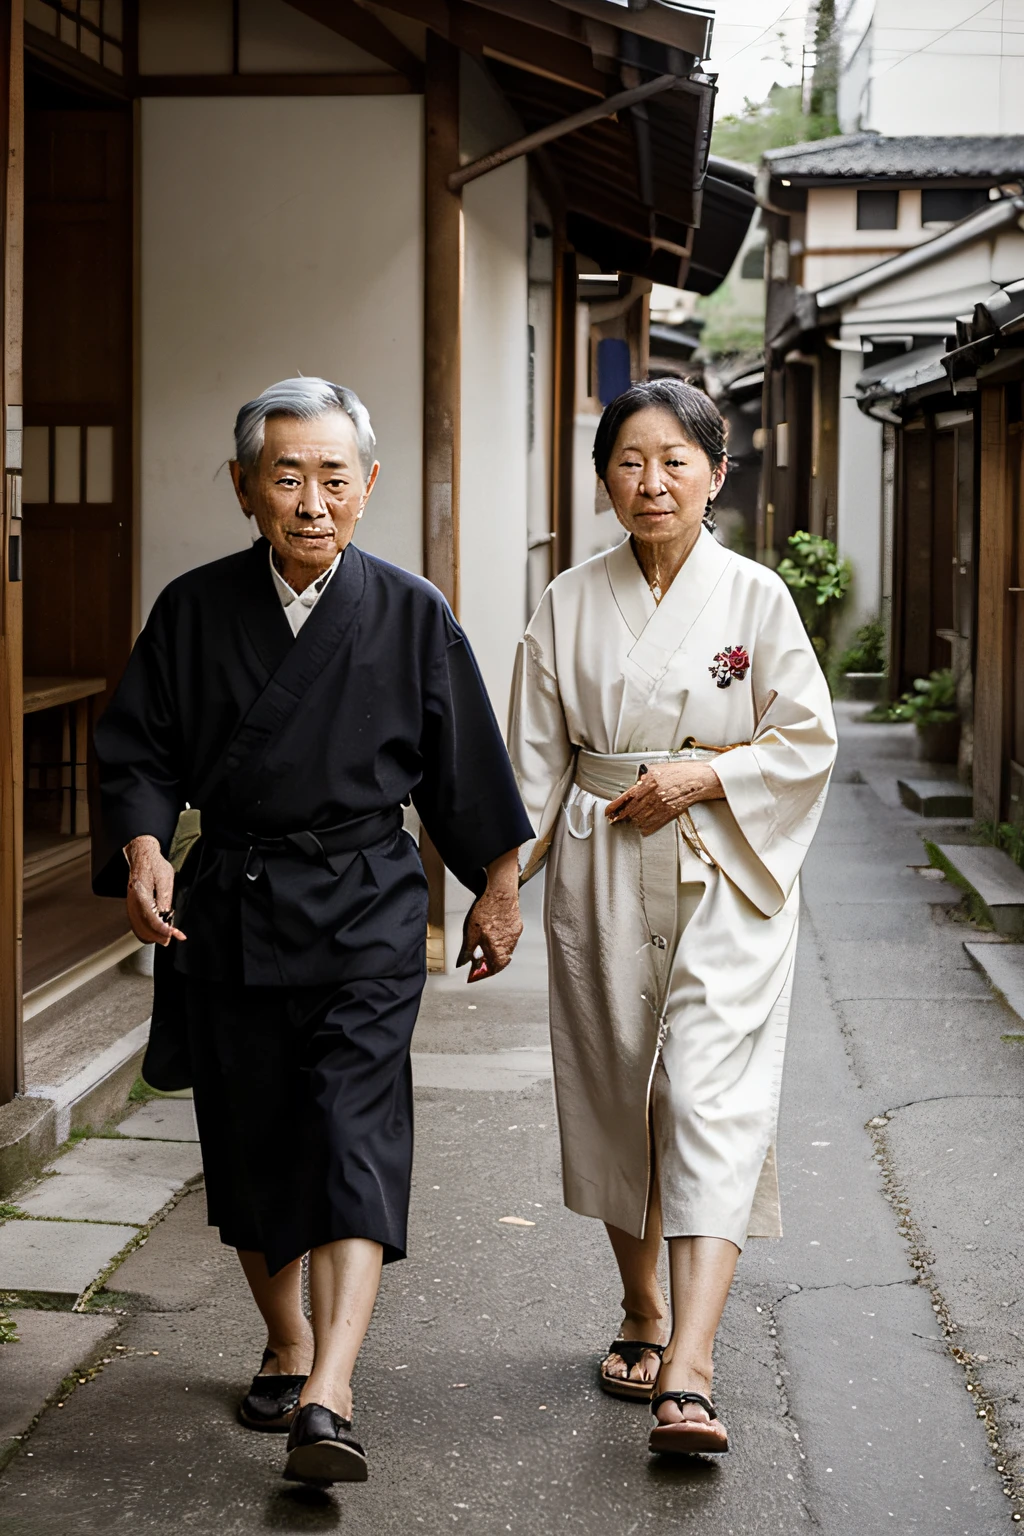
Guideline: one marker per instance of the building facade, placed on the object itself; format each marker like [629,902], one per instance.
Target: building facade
[203,196]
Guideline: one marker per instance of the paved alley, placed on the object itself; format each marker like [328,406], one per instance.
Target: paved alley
[848,1347]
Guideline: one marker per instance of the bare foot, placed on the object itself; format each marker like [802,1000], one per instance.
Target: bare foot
[683,1378]
[652,1330]
[290,1359]
[337,1398]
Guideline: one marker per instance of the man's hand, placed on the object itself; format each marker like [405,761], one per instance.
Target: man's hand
[663,793]
[494,924]
[150,892]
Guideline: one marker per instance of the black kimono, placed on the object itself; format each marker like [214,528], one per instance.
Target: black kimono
[304,902]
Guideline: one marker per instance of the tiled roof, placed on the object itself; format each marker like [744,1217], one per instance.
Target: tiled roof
[917,157]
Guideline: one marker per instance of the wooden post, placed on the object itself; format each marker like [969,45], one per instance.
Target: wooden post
[442,379]
[563,396]
[994,566]
[11,766]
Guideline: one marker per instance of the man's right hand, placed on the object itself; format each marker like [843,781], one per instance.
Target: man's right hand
[150,892]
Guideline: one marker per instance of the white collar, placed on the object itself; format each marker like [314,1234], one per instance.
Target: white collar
[288,595]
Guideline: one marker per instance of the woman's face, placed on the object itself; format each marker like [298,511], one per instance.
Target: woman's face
[659,481]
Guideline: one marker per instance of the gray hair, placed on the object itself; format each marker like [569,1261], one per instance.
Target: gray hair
[308,400]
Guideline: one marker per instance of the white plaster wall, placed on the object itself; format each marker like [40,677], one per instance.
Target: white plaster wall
[936,67]
[278,235]
[494,491]
[859,513]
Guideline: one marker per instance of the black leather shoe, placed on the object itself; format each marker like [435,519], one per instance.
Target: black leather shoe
[272,1401]
[322,1450]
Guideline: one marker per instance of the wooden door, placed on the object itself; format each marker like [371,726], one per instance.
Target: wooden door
[11,161]
[913,652]
[1013,785]
[78,384]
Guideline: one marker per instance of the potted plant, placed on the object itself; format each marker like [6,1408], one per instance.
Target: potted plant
[859,672]
[931,705]
[819,580]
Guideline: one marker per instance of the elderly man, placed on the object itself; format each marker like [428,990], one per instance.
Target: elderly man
[299,695]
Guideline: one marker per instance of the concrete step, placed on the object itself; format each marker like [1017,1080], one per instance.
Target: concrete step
[991,876]
[82,1056]
[1003,964]
[114,1179]
[162,1120]
[936,797]
[57,1259]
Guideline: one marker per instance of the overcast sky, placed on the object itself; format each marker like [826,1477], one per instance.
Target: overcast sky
[751,38]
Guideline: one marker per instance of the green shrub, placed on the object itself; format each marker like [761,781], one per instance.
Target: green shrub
[819,580]
[867,653]
[931,701]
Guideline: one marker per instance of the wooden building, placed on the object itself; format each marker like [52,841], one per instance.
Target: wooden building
[986,372]
[857,228]
[203,196]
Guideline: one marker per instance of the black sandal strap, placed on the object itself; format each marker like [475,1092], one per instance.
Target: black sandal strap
[684,1397]
[632,1351]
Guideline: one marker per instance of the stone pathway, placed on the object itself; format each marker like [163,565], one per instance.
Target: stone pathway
[93,1205]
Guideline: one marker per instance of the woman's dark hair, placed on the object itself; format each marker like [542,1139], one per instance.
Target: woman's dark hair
[698,416]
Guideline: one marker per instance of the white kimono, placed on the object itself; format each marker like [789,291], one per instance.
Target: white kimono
[671,957]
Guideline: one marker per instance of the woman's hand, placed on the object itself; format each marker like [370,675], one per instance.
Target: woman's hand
[663,793]
[494,924]
[150,892]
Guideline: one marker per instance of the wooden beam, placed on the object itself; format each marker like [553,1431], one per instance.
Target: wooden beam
[350,21]
[74,64]
[995,544]
[12,116]
[442,316]
[539,53]
[599,110]
[274,85]
[442,378]
[563,415]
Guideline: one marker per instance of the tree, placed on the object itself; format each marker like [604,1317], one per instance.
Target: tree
[770,124]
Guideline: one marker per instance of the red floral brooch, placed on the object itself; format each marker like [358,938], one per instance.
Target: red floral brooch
[732,662]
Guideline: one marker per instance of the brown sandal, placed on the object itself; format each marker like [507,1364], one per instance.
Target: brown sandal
[631,1351]
[690,1437]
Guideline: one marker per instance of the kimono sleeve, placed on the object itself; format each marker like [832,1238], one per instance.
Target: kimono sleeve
[467,797]
[775,787]
[542,752]
[138,743]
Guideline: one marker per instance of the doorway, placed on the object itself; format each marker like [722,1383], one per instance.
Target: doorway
[77,494]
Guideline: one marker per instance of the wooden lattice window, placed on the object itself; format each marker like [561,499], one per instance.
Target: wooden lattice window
[94,28]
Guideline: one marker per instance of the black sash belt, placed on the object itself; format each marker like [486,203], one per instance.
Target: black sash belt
[346,837]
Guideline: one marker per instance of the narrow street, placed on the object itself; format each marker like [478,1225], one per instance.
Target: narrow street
[846,1402]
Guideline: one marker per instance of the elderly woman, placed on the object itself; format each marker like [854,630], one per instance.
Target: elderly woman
[673,737]
[299,694]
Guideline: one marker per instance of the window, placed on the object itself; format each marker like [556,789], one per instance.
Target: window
[752,264]
[92,27]
[944,205]
[877,210]
[55,469]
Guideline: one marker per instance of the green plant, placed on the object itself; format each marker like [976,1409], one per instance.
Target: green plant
[867,653]
[1006,835]
[770,124]
[931,701]
[819,579]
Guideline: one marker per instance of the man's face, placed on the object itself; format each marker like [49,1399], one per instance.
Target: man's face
[306,493]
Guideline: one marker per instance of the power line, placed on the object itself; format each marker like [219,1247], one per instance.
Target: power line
[911,53]
[782,16]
